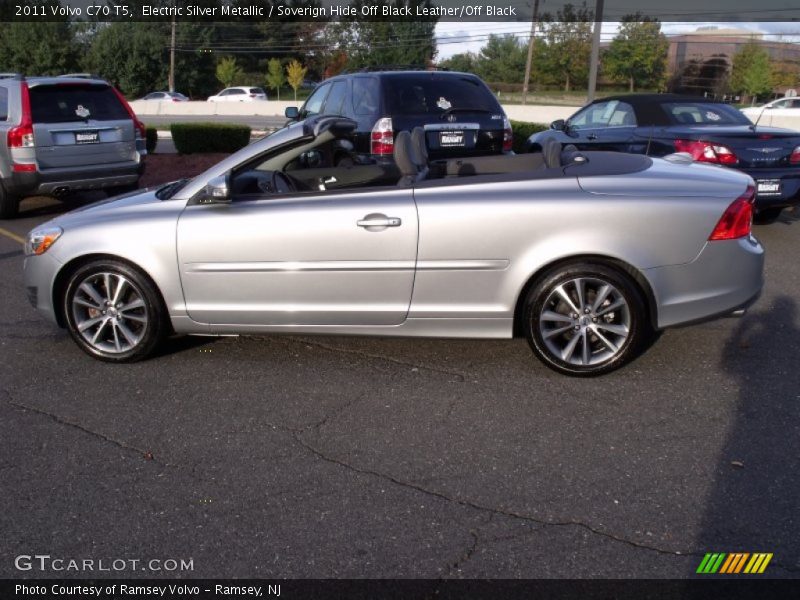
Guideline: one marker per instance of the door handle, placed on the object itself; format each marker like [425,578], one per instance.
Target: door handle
[591,136]
[380,222]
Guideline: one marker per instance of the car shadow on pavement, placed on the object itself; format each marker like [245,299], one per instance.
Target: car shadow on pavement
[754,501]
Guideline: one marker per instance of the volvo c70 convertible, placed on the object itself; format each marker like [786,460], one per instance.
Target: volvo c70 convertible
[585,254]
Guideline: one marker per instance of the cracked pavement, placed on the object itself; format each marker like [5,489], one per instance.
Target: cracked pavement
[295,456]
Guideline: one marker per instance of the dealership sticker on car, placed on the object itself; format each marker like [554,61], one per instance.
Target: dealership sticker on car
[768,187]
[451,138]
[87,137]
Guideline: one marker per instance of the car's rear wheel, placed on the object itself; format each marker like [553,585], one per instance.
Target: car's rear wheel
[765,216]
[9,205]
[585,319]
[114,312]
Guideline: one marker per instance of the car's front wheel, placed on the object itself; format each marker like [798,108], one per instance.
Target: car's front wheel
[585,319]
[114,312]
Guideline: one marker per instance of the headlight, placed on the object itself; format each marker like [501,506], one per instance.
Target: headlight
[39,240]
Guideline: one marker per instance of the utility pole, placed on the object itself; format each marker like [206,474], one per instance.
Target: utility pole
[534,23]
[595,59]
[172,57]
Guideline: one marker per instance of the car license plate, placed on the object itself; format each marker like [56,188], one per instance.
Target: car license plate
[449,139]
[87,137]
[768,187]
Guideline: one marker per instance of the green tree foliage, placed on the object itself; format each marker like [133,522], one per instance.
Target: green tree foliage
[295,75]
[383,43]
[228,72]
[465,62]
[133,56]
[275,76]
[37,47]
[638,53]
[751,73]
[564,58]
[502,59]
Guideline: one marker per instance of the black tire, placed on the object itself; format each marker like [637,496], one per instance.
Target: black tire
[122,189]
[9,205]
[576,337]
[121,335]
[765,216]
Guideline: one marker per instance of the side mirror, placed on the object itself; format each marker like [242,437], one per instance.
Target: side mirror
[558,125]
[291,112]
[217,191]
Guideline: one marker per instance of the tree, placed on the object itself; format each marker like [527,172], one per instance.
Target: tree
[295,75]
[275,76]
[131,55]
[751,73]
[502,59]
[638,53]
[465,62]
[383,43]
[565,56]
[228,72]
[38,47]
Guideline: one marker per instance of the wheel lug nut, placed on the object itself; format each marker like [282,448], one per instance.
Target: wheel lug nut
[577,328]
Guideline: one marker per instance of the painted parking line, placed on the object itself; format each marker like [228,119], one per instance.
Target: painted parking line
[12,236]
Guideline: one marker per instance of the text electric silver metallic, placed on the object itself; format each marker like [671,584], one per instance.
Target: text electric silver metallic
[586,254]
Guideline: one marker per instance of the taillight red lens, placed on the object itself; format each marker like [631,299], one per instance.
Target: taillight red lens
[795,156]
[508,135]
[707,152]
[382,137]
[140,128]
[737,220]
[21,136]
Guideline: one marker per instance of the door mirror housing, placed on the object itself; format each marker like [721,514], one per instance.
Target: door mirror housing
[291,112]
[558,125]
[217,191]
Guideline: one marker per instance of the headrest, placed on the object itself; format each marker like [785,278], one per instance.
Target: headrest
[418,138]
[405,155]
[551,152]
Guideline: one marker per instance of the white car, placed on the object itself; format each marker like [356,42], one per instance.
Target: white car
[239,94]
[782,107]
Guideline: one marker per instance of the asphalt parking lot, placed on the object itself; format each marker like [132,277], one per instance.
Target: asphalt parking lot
[365,458]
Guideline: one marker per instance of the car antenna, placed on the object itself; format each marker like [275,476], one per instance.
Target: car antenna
[649,139]
[754,125]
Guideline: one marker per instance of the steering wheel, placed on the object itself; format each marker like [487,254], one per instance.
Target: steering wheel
[281,183]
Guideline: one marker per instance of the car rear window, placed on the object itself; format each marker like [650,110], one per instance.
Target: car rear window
[433,94]
[704,113]
[75,102]
[256,91]
[3,104]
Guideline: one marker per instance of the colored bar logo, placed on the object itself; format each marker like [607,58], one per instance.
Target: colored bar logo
[734,563]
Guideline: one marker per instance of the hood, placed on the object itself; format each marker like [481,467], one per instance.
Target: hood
[119,207]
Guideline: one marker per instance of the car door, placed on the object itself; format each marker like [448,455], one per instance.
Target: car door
[319,258]
[608,125]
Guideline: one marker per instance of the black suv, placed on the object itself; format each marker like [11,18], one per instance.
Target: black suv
[460,115]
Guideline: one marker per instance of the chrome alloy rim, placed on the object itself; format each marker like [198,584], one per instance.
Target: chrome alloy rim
[585,321]
[109,312]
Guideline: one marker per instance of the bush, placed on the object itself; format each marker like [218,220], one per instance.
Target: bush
[151,139]
[190,138]
[522,131]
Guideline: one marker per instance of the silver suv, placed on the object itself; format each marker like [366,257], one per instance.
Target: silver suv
[62,134]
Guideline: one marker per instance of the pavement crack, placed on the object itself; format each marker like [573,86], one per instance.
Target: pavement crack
[459,377]
[465,556]
[504,512]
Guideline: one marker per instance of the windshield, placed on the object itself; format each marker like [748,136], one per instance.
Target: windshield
[75,102]
[704,113]
[434,94]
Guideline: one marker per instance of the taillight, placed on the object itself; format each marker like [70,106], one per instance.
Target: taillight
[737,220]
[140,128]
[795,156]
[21,136]
[382,137]
[707,152]
[508,135]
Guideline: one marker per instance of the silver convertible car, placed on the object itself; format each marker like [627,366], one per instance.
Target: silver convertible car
[585,254]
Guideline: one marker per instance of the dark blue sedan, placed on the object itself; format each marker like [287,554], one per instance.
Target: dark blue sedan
[712,132]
